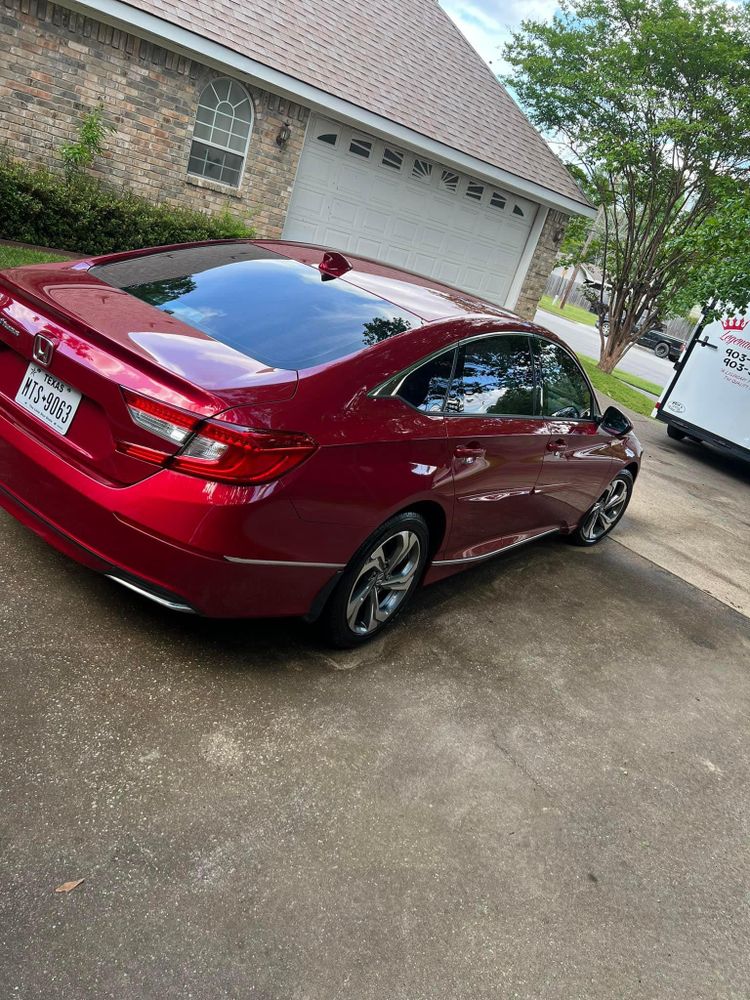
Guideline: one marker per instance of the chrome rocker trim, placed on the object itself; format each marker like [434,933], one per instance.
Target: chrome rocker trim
[497,552]
[284,562]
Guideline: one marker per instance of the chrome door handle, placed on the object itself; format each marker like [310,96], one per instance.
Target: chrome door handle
[557,447]
[469,453]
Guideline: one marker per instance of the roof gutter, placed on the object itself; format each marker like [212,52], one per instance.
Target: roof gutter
[190,44]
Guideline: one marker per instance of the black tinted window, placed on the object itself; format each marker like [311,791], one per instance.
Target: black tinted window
[270,308]
[427,385]
[495,376]
[565,393]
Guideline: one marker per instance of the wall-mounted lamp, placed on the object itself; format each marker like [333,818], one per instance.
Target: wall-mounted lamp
[285,133]
[557,235]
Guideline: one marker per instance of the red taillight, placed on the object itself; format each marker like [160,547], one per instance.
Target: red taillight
[165,421]
[230,454]
[214,450]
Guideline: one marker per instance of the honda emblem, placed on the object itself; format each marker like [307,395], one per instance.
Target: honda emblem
[43,350]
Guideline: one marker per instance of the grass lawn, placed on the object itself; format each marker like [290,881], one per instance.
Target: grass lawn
[17,256]
[637,381]
[574,313]
[617,389]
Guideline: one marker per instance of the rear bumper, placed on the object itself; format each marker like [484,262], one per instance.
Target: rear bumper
[217,551]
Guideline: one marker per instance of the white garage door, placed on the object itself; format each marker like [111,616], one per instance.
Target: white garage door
[357,193]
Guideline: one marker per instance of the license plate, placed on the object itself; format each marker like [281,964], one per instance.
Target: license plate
[52,401]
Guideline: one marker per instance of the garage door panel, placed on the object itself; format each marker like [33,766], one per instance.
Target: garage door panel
[404,231]
[351,181]
[448,271]
[397,257]
[343,212]
[312,202]
[375,222]
[370,248]
[423,263]
[389,215]
[338,239]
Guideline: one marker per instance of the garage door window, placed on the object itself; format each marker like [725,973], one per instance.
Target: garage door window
[329,138]
[360,147]
[497,200]
[449,181]
[422,170]
[495,377]
[475,191]
[222,131]
[392,158]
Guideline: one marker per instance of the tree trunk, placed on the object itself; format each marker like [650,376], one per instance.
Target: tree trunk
[611,355]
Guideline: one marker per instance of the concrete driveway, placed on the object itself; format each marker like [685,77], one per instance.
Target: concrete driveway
[536,786]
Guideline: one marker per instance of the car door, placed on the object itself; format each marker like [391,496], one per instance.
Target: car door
[496,443]
[578,456]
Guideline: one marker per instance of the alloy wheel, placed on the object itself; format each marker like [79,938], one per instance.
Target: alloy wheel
[605,511]
[383,582]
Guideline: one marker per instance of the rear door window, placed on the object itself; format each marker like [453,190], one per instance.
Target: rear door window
[494,377]
[425,388]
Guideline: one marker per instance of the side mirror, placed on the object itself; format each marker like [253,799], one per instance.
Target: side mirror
[615,422]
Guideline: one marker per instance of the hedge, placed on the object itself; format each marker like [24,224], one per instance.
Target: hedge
[85,215]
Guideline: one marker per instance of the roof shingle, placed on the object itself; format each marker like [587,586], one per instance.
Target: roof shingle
[402,59]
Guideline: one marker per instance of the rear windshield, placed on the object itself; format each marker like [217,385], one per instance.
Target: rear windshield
[270,308]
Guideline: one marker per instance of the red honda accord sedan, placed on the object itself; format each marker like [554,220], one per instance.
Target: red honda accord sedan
[257,428]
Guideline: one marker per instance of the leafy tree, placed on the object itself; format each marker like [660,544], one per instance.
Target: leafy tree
[78,156]
[719,277]
[652,98]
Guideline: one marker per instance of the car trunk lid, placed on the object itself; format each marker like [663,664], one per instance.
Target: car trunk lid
[102,340]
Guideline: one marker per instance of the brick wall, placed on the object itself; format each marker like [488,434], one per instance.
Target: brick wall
[542,264]
[57,64]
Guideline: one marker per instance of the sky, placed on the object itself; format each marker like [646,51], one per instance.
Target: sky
[488,23]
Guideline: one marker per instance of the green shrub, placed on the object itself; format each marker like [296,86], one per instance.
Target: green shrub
[84,215]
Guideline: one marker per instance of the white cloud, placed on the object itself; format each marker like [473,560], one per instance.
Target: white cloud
[488,23]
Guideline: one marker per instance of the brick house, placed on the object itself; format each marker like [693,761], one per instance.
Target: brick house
[370,127]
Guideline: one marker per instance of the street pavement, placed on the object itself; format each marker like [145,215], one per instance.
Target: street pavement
[584,339]
[536,786]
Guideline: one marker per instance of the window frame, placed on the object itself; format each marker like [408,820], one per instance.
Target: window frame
[215,145]
[423,178]
[392,166]
[361,140]
[389,388]
[336,136]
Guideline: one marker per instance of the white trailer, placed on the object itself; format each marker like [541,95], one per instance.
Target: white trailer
[708,398]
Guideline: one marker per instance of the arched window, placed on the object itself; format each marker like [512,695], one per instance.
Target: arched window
[222,132]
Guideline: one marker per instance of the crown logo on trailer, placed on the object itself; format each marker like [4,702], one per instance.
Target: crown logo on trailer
[734,325]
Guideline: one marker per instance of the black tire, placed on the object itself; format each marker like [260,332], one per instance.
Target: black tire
[591,528]
[362,575]
[662,350]
[675,433]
